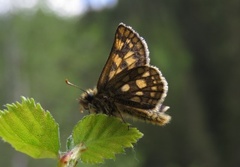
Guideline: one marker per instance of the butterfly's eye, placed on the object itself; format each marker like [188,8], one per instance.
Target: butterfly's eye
[86,98]
[89,98]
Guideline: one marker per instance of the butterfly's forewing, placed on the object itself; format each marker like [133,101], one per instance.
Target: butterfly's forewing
[141,87]
[129,50]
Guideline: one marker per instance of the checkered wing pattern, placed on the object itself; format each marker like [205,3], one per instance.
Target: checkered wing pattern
[129,50]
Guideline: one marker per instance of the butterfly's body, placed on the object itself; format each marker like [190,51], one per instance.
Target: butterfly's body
[128,84]
[97,102]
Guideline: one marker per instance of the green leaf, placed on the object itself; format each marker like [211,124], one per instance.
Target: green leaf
[30,129]
[70,143]
[104,136]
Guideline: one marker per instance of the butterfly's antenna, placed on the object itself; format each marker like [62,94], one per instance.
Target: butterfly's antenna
[71,84]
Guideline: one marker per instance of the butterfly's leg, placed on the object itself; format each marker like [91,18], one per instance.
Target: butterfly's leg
[121,116]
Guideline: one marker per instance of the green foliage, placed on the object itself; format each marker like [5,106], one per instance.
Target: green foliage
[33,131]
[103,137]
[30,129]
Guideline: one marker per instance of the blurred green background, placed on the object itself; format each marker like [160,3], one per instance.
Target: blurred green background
[196,45]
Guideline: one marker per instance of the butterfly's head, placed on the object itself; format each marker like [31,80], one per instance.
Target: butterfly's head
[87,98]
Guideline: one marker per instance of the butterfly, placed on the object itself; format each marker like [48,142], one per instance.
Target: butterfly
[128,84]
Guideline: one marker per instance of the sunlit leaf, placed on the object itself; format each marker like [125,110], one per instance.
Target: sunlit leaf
[30,129]
[104,136]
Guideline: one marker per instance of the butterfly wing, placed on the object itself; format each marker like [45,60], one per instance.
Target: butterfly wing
[142,87]
[154,116]
[129,50]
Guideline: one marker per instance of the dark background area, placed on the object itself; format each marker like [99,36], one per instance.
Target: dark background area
[196,45]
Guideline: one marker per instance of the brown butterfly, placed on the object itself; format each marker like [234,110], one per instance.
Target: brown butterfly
[129,85]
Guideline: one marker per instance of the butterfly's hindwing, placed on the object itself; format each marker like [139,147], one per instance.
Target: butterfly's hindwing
[141,87]
[155,116]
[129,50]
